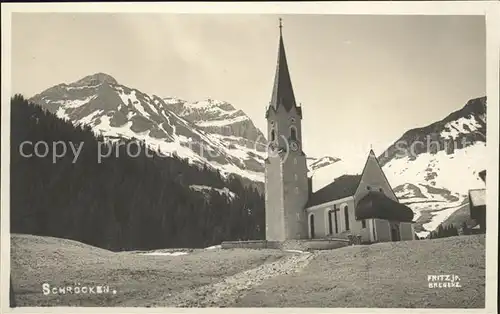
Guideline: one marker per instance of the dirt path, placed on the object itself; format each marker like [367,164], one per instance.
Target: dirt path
[224,293]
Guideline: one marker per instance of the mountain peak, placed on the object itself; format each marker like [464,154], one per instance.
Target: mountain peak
[95,79]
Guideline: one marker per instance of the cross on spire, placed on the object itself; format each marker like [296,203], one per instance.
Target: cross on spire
[281,24]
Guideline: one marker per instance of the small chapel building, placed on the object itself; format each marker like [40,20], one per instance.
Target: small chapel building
[361,205]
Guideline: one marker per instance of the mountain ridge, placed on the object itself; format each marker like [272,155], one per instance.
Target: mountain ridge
[206,132]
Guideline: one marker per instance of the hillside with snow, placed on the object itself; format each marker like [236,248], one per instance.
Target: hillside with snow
[431,168]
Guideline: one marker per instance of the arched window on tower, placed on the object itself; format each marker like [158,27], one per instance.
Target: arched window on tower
[273,135]
[293,133]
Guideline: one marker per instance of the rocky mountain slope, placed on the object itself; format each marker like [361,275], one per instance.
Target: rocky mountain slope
[207,132]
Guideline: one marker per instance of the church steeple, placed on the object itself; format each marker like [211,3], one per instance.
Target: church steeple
[286,183]
[282,90]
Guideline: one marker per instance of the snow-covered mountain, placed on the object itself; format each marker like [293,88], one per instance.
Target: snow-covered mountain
[207,132]
[431,168]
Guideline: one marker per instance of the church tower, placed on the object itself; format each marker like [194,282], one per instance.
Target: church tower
[287,187]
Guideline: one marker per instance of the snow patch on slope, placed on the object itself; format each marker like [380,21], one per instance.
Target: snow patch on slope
[222,122]
[75,103]
[460,126]
[204,188]
[440,170]
[132,99]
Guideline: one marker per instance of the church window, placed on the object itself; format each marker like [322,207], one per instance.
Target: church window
[311,226]
[295,161]
[368,188]
[296,177]
[296,190]
[292,120]
[346,214]
[273,136]
[293,133]
[363,223]
[330,223]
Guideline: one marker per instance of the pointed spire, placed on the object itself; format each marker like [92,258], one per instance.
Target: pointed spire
[282,89]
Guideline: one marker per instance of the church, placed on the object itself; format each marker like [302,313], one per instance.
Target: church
[358,205]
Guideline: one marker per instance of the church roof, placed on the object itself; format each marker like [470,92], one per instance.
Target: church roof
[378,205]
[282,94]
[343,186]
[477,197]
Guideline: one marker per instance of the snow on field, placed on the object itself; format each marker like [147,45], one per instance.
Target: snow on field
[297,251]
[213,247]
[165,253]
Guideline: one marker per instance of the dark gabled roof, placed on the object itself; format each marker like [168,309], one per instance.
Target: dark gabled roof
[343,186]
[378,205]
[372,154]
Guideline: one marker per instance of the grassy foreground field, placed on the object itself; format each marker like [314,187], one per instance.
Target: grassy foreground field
[139,280]
[378,275]
[383,275]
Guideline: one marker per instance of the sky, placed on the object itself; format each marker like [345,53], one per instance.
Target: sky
[362,80]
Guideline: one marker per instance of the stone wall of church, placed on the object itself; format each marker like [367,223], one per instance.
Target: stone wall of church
[322,225]
[275,228]
[365,232]
[354,226]
[406,231]
[318,215]
[382,230]
[296,191]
